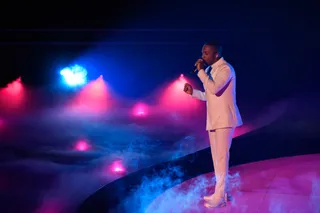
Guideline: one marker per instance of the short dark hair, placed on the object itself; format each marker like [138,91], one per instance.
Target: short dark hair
[215,45]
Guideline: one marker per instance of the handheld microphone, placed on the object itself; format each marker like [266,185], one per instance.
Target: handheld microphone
[194,70]
[195,67]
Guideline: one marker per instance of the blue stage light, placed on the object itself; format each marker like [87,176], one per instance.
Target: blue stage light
[75,75]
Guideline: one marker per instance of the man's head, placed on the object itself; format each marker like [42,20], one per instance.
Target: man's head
[211,52]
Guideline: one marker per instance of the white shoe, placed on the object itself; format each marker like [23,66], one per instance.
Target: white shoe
[215,203]
[228,197]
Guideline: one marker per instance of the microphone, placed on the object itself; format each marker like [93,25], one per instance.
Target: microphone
[195,67]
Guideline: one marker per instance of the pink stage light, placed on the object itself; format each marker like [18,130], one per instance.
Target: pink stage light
[12,96]
[15,88]
[117,167]
[140,109]
[174,98]
[82,145]
[93,98]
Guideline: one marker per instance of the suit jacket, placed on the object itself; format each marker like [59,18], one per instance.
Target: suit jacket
[220,96]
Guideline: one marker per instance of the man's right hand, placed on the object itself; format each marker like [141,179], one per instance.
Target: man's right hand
[188,89]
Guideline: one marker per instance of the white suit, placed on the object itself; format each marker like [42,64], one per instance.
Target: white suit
[222,116]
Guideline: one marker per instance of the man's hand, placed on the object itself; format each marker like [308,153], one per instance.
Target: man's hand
[200,64]
[188,89]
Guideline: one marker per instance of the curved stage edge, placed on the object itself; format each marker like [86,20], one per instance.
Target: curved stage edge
[136,191]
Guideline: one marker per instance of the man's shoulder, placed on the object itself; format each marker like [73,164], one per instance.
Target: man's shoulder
[225,65]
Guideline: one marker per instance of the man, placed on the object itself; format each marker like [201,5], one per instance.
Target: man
[219,82]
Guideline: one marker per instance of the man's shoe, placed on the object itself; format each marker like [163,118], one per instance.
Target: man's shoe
[215,203]
[228,197]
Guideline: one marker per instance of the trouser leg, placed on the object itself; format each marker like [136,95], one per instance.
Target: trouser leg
[222,144]
[212,138]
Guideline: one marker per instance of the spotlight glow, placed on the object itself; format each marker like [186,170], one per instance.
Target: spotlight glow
[93,98]
[173,97]
[75,75]
[82,146]
[117,167]
[13,95]
[140,109]
[15,88]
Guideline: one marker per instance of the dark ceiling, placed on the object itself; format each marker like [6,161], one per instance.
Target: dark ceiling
[30,29]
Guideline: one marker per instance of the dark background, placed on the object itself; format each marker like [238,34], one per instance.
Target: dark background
[139,45]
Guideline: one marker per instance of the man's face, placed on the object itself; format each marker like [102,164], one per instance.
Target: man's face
[209,54]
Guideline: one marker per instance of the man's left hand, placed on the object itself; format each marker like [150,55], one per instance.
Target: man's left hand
[200,64]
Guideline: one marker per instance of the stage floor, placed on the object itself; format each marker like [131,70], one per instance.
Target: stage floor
[279,186]
[42,169]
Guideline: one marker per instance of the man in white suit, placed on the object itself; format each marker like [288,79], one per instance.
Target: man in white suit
[219,82]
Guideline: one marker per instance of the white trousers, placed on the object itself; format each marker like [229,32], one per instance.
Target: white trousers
[220,143]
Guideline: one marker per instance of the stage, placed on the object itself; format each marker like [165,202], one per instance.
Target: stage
[289,184]
[60,156]
[272,169]
[64,160]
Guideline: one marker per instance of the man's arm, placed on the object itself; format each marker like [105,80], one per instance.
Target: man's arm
[221,79]
[199,95]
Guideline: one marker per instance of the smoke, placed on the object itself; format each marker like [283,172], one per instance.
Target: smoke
[155,195]
[151,187]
